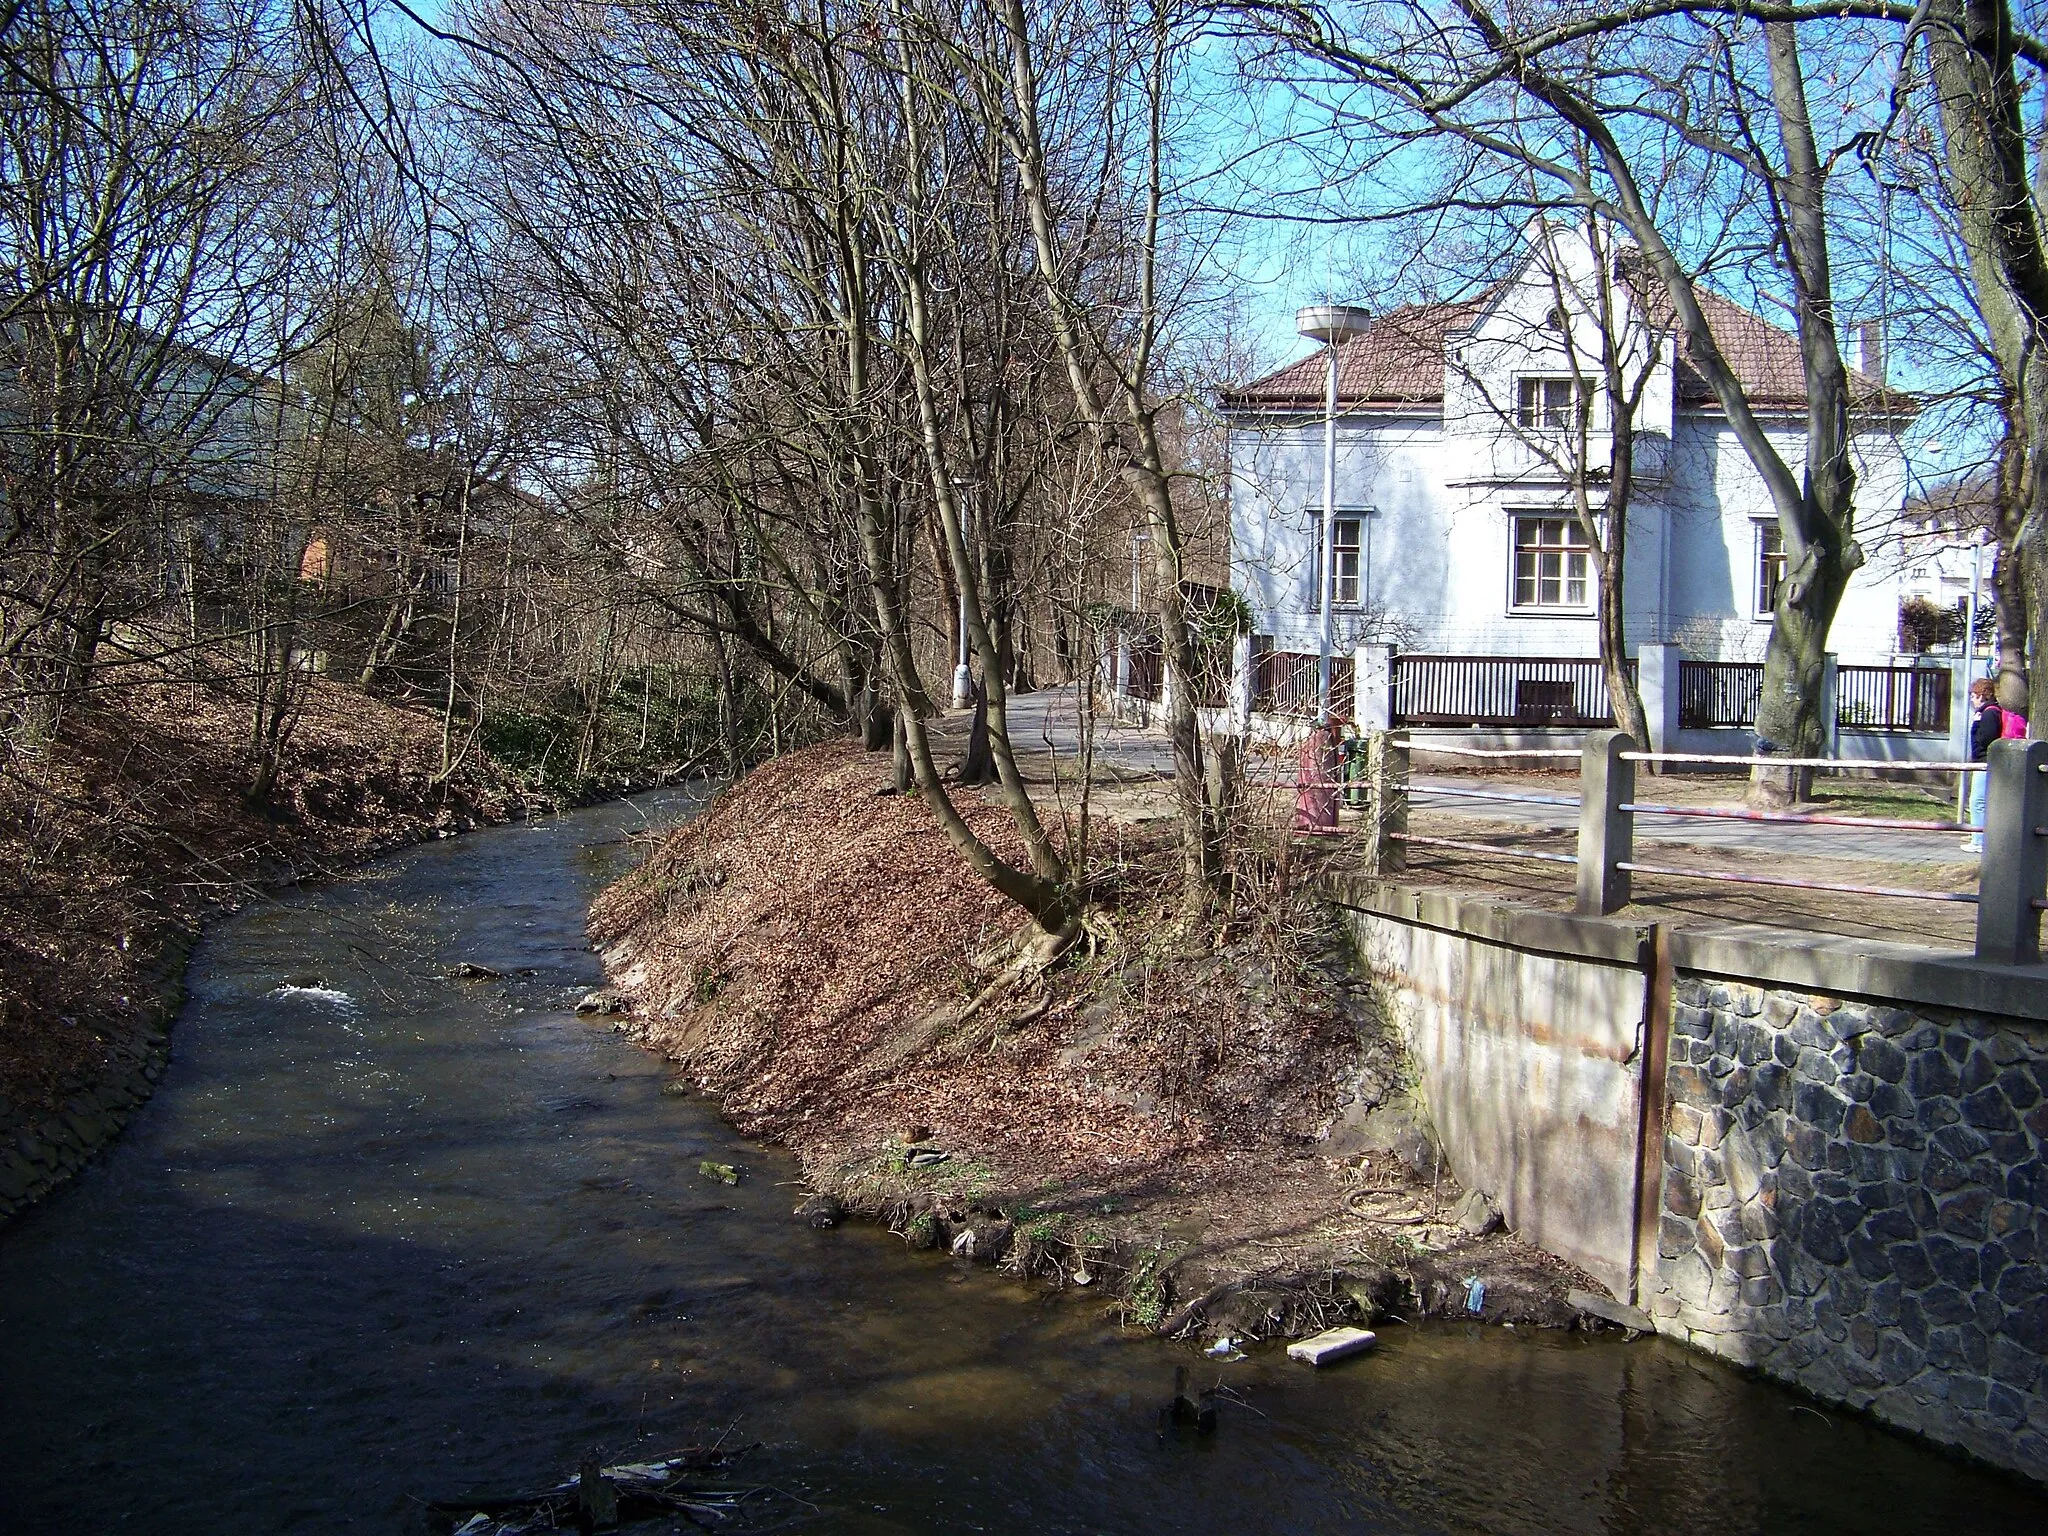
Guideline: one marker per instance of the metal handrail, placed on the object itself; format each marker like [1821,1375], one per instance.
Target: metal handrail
[1729,877]
[1875,765]
[1512,853]
[1417,790]
[1447,749]
[1723,813]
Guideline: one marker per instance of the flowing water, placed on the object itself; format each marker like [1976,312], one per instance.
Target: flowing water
[383,1235]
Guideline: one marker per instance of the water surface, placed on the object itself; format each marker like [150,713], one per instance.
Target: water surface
[383,1235]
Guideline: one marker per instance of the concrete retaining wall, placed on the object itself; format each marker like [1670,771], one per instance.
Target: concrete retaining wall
[1529,1070]
[1818,1157]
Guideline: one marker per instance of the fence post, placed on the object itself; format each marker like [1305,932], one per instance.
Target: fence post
[2014,871]
[1241,684]
[1387,763]
[1830,706]
[1372,687]
[1607,781]
[1657,681]
[1960,675]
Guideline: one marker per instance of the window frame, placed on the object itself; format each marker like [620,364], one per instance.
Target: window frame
[1764,533]
[1536,416]
[1360,516]
[1583,549]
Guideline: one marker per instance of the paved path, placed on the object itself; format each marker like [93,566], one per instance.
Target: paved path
[1888,845]
[1050,716]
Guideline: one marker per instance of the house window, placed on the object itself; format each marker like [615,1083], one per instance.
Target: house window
[1547,405]
[1345,544]
[1770,567]
[1347,548]
[1553,564]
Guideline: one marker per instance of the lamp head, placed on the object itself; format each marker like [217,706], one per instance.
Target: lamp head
[1331,322]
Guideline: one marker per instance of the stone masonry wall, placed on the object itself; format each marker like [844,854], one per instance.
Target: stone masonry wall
[1854,1201]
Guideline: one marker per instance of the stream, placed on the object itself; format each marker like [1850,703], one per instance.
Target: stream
[383,1235]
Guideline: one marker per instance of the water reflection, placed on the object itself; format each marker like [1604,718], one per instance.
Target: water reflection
[386,1234]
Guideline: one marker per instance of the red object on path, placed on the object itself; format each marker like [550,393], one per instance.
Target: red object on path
[1315,791]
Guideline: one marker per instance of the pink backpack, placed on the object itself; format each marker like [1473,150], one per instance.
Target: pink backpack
[2014,726]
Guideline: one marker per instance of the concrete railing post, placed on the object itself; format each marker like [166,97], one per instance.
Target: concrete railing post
[1607,781]
[1830,706]
[1372,687]
[1387,763]
[2014,872]
[1960,675]
[1657,681]
[1241,683]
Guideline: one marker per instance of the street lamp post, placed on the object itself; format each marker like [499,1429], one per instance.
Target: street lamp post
[1330,324]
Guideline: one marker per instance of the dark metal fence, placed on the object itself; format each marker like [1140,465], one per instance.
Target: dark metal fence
[1501,690]
[1284,683]
[1148,665]
[1714,694]
[1718,693]
[1893,699]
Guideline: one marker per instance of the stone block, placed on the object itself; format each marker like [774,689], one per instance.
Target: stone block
[1932,1076]
[2014,1365]
[1965,1214]
[1899,1359]
[1806,1146]
[2019,1087]
[1880,1058]
[1688,1279]
[1762,1291]
[1978,1070]
[1772,1086]
[1685,1124]
[1753,1043]
[1819,1106]
[1868,1257]
[1987,1110]
[1955,1263]
[1976,1344]
[1861,1125]
[2005,1405]
[1674,1236]
[1681,1193]
[2027,1325]
[1811,1031]
[1711,1246]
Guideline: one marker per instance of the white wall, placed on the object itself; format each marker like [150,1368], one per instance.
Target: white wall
[1716,498]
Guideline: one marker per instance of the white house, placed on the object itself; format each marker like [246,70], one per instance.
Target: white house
[1456,454]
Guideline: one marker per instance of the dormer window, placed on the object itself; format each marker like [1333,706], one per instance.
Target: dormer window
[1549,404]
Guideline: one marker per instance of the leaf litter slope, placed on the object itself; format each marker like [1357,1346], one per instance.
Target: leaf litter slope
[803,948]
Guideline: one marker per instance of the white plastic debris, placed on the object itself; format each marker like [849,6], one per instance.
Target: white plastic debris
[1337,1344]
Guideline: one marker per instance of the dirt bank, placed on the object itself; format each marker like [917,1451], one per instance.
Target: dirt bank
[1204,1128]
[120,836]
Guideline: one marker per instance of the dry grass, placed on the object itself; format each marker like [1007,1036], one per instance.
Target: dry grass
[1151,1115]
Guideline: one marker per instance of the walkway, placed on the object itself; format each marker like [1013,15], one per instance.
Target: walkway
[1049,719]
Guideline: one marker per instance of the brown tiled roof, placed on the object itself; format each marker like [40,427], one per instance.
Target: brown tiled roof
[1396,359]
[1399,359]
